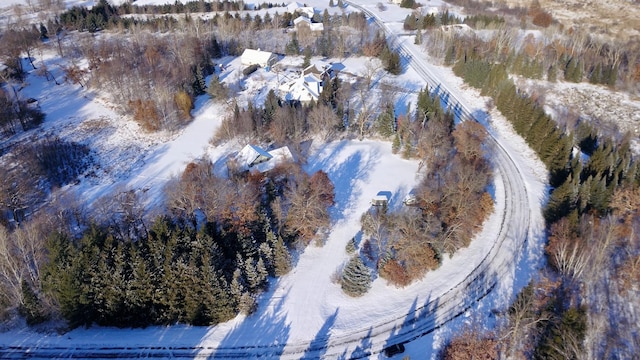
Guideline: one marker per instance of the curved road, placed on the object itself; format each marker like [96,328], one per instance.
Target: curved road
[403,327]
[515,221]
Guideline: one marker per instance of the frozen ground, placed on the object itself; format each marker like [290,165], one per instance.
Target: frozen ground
[305,314]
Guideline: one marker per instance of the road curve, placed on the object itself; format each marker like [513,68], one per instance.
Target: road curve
[425,319]
[515,222]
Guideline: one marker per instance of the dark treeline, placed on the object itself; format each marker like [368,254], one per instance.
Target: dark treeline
[592,222]
[574,57]
[417,21]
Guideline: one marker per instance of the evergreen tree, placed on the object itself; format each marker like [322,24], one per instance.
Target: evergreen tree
[610,75]
[216,89]
[282,258]
[351,246]
[395,146]
[267,19]
[307,57]
[562,201]
[199,85]
[356,277]
[596,74]
[391,61]
[247,304]
[385,122]
[293,46]
[266,254]
[552,73]
[271,104]
[44,33]
[326,19]
[407,150]
[251,275]
[410,22]
[222,305]
[409,4]
[418,39]
[31,307]
[214,50]
[236,288]
[262,272]
[331,4]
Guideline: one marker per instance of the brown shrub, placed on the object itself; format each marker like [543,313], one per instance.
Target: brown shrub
[471,345]
[146,114]
[418,259]
[374,48]
[184,104]
[542,19]
[395,274]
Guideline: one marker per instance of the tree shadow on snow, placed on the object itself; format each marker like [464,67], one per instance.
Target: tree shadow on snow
[419,321]
[363,350]
[318,346]
[262,334]
[343,175]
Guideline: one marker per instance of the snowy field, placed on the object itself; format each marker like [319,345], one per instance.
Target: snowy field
[304,314]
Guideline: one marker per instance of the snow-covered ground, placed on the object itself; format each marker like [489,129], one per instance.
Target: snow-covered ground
[305,314]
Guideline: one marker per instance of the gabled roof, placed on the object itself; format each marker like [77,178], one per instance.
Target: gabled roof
[309,85]
[297,7]
[251,56]
[304,20]
[278,156]
[312,69]
[293,6]
[251,155]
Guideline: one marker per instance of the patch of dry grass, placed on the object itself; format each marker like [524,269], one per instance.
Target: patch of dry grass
[618,19]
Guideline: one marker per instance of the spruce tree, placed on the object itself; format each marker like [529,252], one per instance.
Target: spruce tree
[293,46]
[31,307]
[251,275]
[262,272]
[595,77]
[199,85]
[395,146]
[216,89]
[307,57]
[282,258]
[385,123]
[247,304]
[351,246]
[356,277]
[410,22]
[418,39]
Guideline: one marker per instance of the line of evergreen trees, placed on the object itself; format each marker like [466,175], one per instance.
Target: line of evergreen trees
[175,273]
[583,187]
[417,21]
